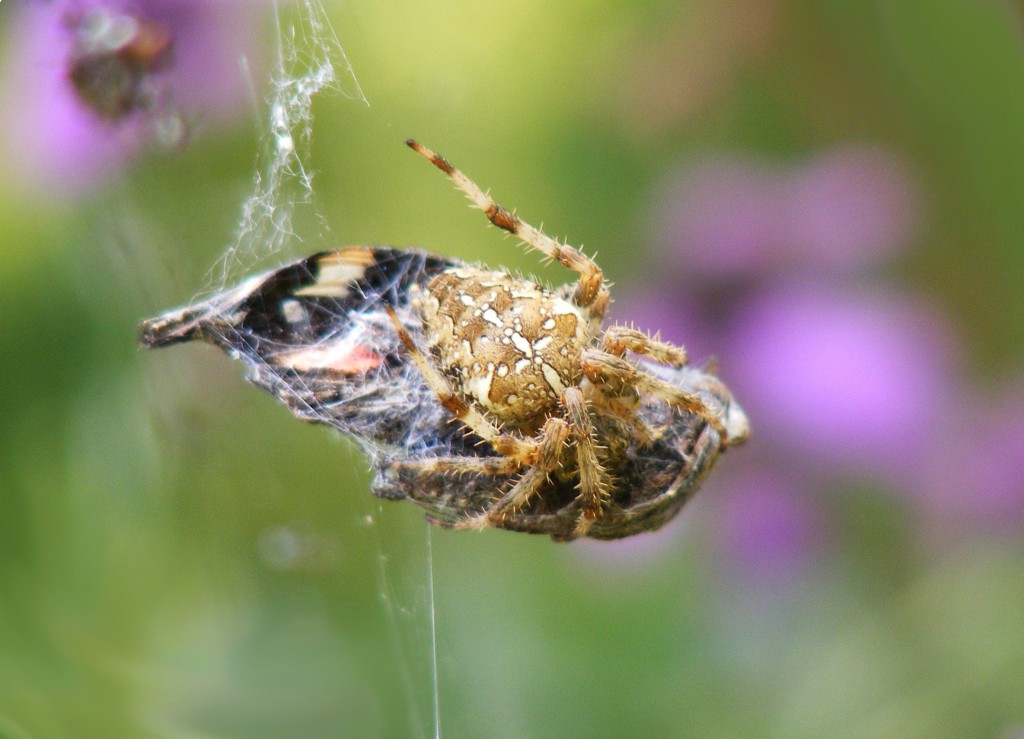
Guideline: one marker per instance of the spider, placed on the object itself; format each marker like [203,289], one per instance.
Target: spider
[530,372]
[116,57]
[459,381]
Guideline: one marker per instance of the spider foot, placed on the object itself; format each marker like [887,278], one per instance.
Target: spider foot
[478,522]
[584,523]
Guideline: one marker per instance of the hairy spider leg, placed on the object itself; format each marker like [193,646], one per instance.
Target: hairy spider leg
[591,292]
[551,441]
[618,340]
[621,400]
[602,367]
[595,483]
[456,464]
[524,451]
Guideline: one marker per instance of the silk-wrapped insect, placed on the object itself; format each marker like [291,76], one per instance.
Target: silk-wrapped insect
[485,398]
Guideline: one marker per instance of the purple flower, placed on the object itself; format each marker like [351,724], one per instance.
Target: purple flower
[850,207]
[840,379]
[841,375]
[88,83]
[734,217]
[975,479]
[835,375]
[765,528]
[722,217]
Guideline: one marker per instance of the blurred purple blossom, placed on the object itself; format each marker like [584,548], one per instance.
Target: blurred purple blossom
[733,216]
[841,378]
[845,377]
[850,207]
[722,217]
[976,476]
[164,62]
[764,528]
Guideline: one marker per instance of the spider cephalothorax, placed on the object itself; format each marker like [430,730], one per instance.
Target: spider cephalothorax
[528,371]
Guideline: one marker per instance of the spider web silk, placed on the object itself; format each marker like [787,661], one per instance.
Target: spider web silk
[277,218]
[310,60]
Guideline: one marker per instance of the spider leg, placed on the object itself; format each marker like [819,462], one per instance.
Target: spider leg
[594,483]
[622,402]
[457,465]
[552,440]
[608,405]
[591,291]
[604,368]
[618,340]
[524,451]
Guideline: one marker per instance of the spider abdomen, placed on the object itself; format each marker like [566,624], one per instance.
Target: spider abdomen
[508,345]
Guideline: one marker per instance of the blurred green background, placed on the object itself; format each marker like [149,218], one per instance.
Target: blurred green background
[179,557]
